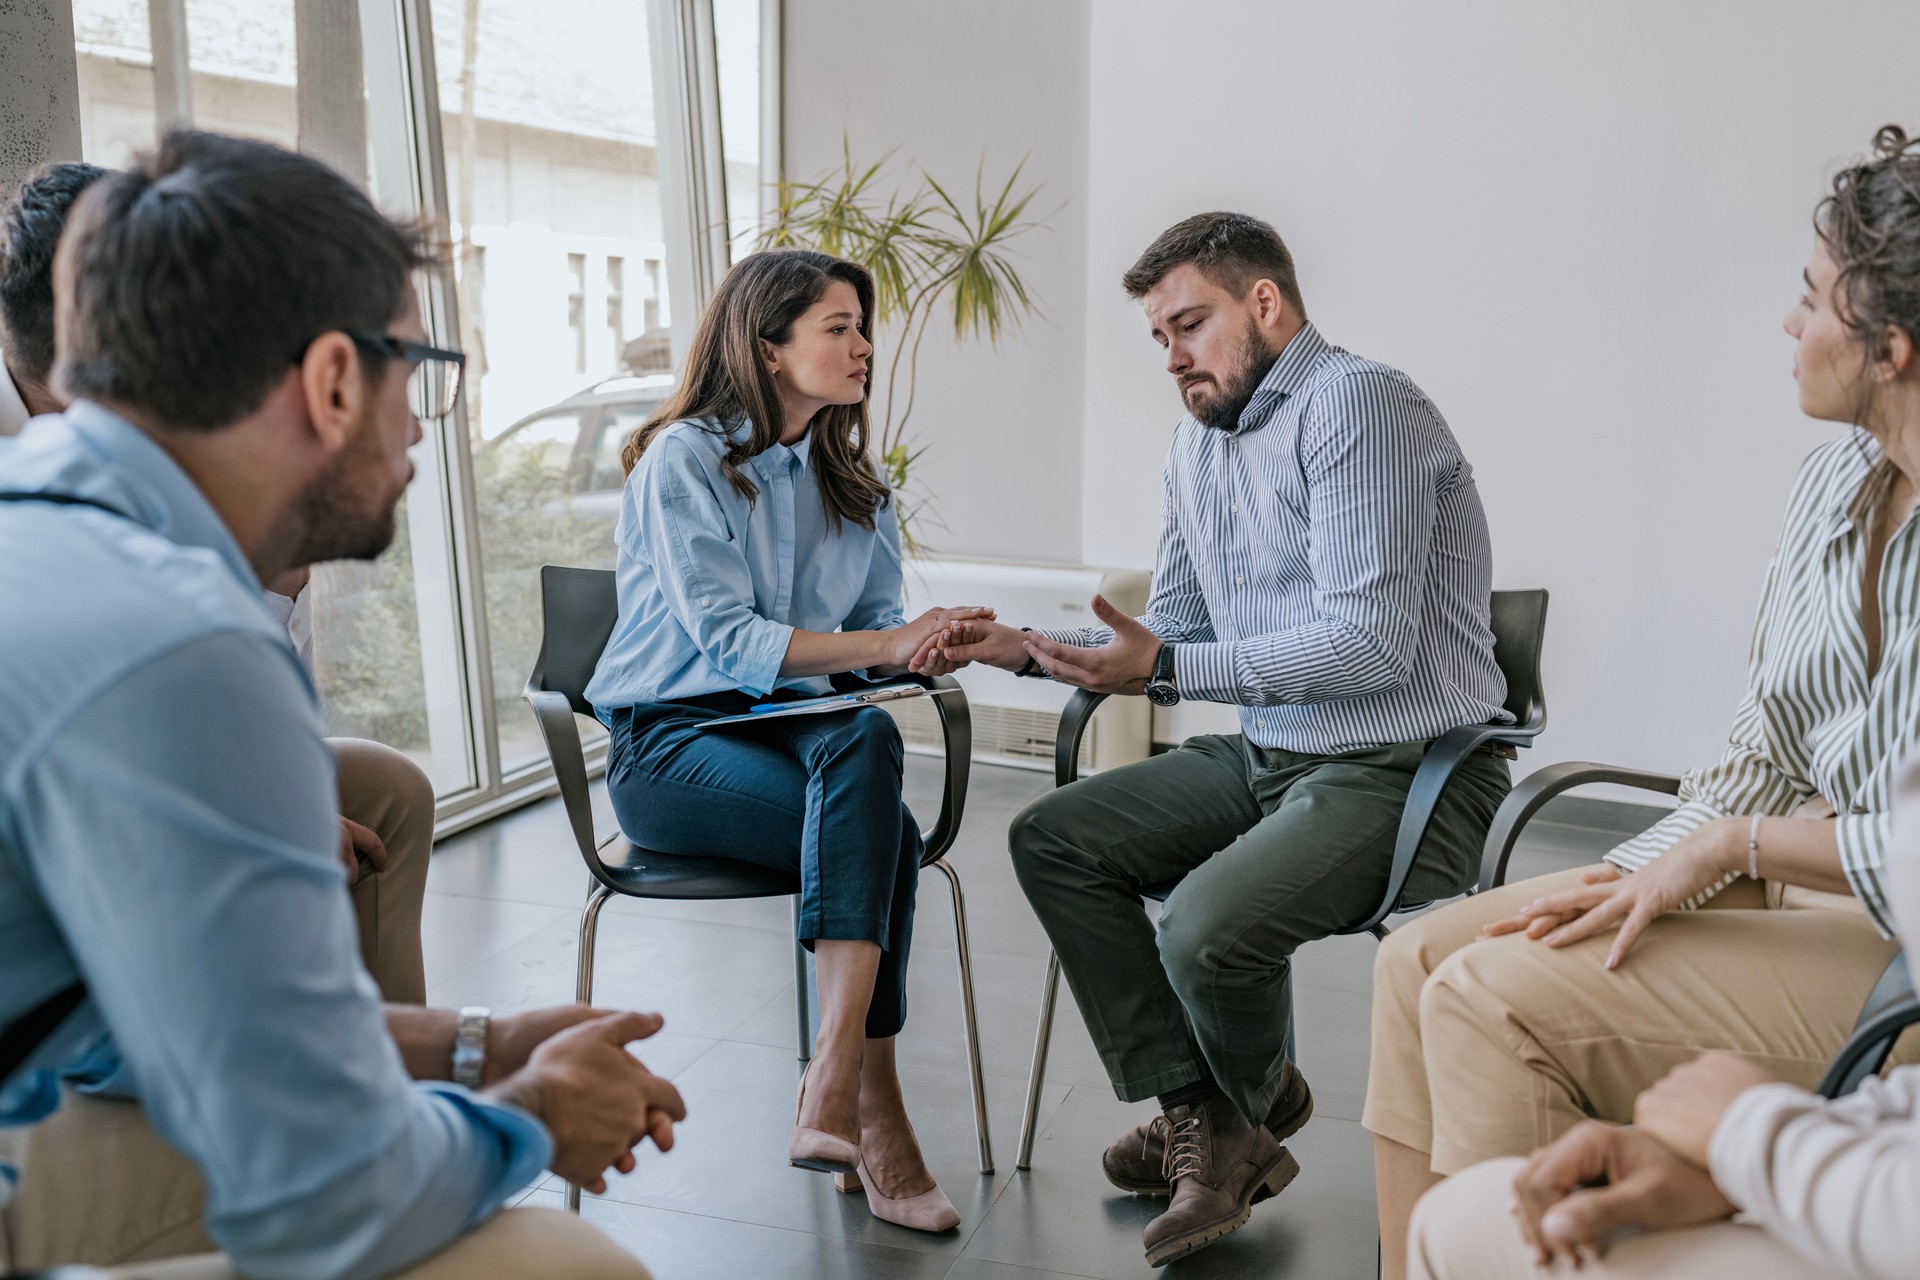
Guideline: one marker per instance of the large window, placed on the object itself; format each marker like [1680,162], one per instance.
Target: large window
[531,131]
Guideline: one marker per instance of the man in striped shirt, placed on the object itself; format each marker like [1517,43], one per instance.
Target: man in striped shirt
[1324,564]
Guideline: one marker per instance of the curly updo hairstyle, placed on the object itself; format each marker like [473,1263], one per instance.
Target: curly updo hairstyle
[1870,223]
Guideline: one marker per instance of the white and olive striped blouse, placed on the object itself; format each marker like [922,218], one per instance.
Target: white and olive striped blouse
[1813,721]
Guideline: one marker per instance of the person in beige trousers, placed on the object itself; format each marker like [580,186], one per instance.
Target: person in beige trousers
[1502,1022]
[1824,1189]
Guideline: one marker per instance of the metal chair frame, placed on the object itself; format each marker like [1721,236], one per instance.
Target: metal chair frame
[1519,626]
[579,610]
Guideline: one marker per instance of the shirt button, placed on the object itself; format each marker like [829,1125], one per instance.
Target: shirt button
[1235,510]
[1241,581]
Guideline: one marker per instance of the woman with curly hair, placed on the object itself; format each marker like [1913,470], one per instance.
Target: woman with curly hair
[1592,984]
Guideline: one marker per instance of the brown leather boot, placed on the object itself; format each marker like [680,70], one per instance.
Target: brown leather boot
[1137,1160]
[1218,1164]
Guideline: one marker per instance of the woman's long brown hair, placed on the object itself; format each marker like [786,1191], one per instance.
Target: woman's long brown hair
[726,379]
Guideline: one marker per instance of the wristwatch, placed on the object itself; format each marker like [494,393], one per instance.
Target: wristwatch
[470,1046]
[1033,670]
[1160,687]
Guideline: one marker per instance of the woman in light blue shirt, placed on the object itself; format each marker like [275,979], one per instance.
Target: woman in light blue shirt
[759,553]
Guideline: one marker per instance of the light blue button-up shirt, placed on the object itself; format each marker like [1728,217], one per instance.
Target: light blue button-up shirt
[713,585]
[168,833]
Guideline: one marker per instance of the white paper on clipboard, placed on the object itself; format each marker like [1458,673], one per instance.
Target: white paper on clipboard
[830,703]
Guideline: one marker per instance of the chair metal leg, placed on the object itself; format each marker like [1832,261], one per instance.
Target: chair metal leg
[1042,1038]
[583,980]
[970,1020]
[802,1005]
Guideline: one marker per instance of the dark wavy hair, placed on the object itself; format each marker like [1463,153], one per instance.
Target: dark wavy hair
[726,379]
[1870,224]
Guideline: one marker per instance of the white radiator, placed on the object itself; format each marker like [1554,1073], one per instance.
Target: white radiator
[1014,720]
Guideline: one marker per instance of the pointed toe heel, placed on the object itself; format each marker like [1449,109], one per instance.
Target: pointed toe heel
[929,1211]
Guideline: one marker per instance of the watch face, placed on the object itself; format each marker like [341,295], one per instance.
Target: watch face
[1162,695]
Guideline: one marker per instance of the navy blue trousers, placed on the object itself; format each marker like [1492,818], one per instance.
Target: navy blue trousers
[817,795]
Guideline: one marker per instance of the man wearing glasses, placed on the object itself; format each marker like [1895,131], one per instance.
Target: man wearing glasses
[238,333]
[386,801]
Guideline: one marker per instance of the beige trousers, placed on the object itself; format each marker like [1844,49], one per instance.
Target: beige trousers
[1496,1047]
[514,1245]
[382,789]
[1462,1231]
[97,1184]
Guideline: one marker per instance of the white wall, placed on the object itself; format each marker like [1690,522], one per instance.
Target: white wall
[947,84]
[1576,225]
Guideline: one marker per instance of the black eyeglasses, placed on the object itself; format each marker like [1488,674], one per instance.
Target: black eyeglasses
[434,383]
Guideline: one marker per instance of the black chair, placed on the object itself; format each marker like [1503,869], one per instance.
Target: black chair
[579,610]
[1519,620]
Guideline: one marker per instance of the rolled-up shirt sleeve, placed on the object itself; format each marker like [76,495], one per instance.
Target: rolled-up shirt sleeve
[1373,484]
[1836,1181]
[704,579]
[181,825]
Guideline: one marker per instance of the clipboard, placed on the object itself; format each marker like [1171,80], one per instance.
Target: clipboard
[826,705]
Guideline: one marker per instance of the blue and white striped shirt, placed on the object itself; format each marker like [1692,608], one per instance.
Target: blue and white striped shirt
[1326,564]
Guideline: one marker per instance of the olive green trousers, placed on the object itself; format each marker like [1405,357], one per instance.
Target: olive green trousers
[1271,849]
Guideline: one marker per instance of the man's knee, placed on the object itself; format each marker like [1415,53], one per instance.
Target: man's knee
[1460,1229]
[1036,841]
[1197,946]
[380,787]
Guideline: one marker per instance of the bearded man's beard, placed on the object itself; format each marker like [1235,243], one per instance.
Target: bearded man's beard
[1219,405]
[339,520]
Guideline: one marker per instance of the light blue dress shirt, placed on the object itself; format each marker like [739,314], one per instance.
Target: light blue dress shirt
[168,832]
[713,585]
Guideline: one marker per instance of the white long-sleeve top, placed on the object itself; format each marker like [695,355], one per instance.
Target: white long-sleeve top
[1839,1182]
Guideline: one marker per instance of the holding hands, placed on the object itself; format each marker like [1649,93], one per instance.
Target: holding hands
[1122,665]
[918,645]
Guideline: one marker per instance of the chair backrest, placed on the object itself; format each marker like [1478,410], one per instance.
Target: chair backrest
[1519,632]
[578,608]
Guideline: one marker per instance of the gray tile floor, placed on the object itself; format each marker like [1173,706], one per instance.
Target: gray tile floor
[502,908]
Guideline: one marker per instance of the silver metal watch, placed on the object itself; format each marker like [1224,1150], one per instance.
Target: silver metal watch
[470,1045]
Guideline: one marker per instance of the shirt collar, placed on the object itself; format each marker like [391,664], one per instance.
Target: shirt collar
[13,406]
[91,452]
[1867,479]
[1288,374]
[777,458]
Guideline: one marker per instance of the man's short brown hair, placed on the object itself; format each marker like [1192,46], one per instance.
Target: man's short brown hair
[198,277]
[1233,250]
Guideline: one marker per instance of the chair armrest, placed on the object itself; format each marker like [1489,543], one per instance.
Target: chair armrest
[1437,767]
[562,735]
[1891,1008]
[1543,785]
[1073,727]
[956,729]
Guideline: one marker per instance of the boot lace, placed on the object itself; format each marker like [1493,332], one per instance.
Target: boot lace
[1186,1146]
[1156,1128]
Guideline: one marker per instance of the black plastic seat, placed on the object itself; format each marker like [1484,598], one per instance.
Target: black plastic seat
[1519,624]
[579,608]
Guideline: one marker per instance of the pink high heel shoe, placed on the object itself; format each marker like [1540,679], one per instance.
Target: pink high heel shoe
[815,1149]
[928,1211]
